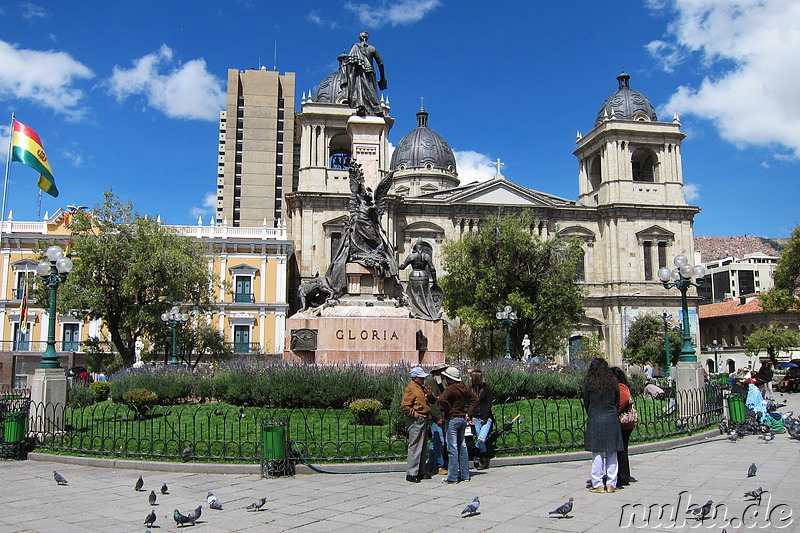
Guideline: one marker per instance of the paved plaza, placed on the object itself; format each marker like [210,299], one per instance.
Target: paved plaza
[513,498]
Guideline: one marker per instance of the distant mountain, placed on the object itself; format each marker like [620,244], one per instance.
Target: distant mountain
[712,248]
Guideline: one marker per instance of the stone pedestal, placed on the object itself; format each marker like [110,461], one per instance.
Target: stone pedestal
[48,400]
[363,332]
[369,146]
[689,384]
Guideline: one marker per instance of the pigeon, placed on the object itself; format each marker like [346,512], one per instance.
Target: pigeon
[752,470]
[152,497]
[472,508]
[700,513]
[139,484]
[755,494]
[213,502]
[242,415]
[217,412]
[169,412]
[181,519]
[61,480]
[195,515]
[564,510]
[734,436]
[150,520]
[164,489]
[769,437]
[186,453]
[257,505]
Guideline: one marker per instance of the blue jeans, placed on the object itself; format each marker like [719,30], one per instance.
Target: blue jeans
[436,454]
[458,457]
[481,432]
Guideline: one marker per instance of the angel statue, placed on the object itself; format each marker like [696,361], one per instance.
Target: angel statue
[364,241]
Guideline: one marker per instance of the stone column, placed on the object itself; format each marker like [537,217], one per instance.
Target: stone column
[367,134]
[48,400]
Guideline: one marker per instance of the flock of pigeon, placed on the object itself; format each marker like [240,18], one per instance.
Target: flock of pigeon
[699,512]
[181,519]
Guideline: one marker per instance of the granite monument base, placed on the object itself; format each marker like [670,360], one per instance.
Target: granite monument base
[363,332]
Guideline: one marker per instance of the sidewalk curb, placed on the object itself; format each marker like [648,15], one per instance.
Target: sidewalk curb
[345,468]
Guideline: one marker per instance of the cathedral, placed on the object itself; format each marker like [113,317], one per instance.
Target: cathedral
[630,212]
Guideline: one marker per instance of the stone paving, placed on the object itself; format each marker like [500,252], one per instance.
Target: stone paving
[513,498]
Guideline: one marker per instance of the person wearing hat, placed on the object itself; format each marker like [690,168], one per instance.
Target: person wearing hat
[436,455]
[458,403]
[417,411]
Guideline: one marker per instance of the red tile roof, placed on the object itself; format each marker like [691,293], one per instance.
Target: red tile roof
[730,308]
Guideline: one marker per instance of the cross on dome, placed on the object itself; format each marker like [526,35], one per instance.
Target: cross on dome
[498,164]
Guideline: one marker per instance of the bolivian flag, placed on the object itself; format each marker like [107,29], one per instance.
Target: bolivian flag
[27,149]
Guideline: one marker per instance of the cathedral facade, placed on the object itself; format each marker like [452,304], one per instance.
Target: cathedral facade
[630,213]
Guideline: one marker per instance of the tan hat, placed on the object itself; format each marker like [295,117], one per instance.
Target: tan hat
[451,372]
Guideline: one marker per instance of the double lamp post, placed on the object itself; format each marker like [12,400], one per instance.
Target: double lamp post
[681,278]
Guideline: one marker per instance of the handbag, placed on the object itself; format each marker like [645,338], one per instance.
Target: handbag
[629,415]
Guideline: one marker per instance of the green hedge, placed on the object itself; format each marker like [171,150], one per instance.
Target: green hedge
[242,382]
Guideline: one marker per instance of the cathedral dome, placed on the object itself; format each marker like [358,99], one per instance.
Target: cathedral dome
[329,91]
[626,104]
[423,148]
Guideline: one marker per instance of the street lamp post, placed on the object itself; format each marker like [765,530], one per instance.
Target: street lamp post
[667,352]
[507,317]
[715,346]
[683,274]
[54,272]
[175,319]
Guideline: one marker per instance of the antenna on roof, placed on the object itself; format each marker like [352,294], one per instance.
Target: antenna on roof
[275,57]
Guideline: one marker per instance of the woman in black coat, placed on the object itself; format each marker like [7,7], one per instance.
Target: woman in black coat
[603,436]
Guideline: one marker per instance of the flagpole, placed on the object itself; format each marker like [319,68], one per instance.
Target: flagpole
[5,180]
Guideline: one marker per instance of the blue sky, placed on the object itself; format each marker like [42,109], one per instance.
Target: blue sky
[127,94]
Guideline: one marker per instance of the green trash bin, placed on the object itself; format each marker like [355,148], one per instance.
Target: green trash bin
[16,426]
[723,378]
[736,409]
[274,442]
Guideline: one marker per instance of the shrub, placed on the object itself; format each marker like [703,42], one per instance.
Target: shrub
[367,411]
[170,384]
[140,400]
[80,395]
[100,390]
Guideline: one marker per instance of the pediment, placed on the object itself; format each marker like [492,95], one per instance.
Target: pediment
[655,232]
[500,191]
[243,269]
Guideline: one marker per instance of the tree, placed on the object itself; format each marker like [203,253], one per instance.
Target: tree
[128,270]
[773,340]
[507,264]
[646,341]
[782,296]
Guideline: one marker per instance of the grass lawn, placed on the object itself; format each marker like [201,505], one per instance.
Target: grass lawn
[221,432]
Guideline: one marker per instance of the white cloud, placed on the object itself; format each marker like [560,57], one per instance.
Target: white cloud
[5,140]
[178,90]
[317,19]
[29,10]
[691,192]
[45,78]
[392,12]
[209,207]
[473,166]
[750,49]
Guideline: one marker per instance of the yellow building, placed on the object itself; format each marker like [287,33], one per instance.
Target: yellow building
[251,315]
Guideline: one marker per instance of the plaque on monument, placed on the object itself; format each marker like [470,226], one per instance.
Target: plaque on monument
[304,340]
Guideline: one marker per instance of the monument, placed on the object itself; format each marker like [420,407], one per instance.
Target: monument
[358,312]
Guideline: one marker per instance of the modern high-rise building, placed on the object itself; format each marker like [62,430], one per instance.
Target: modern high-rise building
[256,147]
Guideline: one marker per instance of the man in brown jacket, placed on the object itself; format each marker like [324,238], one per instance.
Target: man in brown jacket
[415,406]
[459,403]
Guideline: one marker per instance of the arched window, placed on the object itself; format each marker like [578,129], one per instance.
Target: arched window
[643,164]
[595,174]
[339,150]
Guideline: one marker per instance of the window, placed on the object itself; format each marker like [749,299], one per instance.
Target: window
[241,339]
[244,289]
[22,339]
[71,339]
[643,165]
[662,254]
[581,266]
[19,290]
[647,254]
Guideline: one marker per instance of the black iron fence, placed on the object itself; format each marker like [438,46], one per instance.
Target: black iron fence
[219,432]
